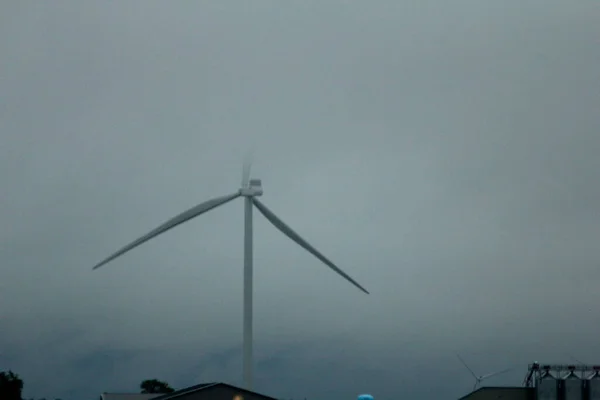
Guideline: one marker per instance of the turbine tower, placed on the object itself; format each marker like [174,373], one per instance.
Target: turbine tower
[480,378]
[251,189]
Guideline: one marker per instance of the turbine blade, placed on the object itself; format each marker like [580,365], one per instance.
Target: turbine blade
[467,367]
[286,230]
[577,361]
[173,222]
[495,373]
[246,170]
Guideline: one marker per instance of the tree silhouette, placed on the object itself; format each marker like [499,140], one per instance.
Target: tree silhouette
[155,386]
[11,386]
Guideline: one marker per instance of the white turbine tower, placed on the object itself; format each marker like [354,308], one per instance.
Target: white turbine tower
[480,378]
[250,190]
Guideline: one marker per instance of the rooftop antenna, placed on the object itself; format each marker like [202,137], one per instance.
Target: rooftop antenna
[251,189]
[480,378]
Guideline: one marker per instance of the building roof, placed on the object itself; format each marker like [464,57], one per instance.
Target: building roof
[499,392]
[129,396]
[203,386]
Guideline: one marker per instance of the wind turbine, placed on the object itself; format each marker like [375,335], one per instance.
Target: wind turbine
[251,189]
[577,361]
[480,378]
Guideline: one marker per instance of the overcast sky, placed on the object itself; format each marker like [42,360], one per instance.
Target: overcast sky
[444,153]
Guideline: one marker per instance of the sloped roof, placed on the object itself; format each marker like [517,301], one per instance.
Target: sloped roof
[129,396]
[497,392]
[203,386]
[190,389]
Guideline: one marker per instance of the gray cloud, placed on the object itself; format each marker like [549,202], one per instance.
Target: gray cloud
[444,154]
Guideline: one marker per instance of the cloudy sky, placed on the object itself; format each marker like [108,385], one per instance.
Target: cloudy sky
[443,153]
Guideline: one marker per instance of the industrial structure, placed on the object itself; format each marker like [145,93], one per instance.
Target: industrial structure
[564,381]
[548,382]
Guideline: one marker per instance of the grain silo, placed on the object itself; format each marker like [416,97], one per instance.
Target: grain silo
[547,386]
[572,386]
[593,386]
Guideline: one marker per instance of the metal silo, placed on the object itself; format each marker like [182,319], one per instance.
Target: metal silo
[593,385]
[573,387]
[547,387]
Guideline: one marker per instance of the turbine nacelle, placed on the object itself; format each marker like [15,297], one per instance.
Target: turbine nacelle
[254,189]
